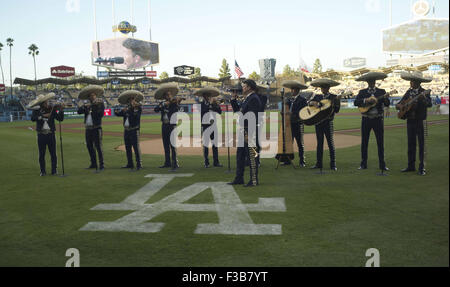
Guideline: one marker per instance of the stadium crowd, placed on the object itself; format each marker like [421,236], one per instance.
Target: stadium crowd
[349,89]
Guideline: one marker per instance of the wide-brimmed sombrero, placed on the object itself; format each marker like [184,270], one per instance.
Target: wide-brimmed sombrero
[371,76]
[87,91]
[164,88]
[209,92]
[125,97]
[415,77]
[292,84]
[40,99]
[324,82]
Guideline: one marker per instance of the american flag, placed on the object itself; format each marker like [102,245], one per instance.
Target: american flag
[237,69]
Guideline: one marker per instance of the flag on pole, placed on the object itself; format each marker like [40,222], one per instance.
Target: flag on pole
[237,69]
[303,66]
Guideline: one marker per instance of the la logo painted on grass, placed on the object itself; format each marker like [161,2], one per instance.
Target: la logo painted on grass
[233,214]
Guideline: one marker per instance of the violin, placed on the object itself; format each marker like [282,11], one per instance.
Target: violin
[176,100]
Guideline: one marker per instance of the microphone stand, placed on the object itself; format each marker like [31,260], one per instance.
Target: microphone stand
[61,145]
[228,144]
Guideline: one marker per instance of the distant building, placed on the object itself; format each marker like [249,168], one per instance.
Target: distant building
[267,69]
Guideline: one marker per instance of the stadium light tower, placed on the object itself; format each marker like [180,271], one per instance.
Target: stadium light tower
[149,19]
[95,19]
[390,13]
[132,15]
[113,17]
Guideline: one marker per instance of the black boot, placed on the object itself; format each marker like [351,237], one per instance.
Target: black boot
[236,181]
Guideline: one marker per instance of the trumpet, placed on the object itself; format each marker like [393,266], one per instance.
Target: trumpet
[96,102]
[217,101]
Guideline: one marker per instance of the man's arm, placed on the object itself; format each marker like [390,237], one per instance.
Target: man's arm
[216,108]
[359,101]
[81,110]
[235,105]
[427,100]
[337,104]
[35,115]
[397,106]
[386,101]
[119,112]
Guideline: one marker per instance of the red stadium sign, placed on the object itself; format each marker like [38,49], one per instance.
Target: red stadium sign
[107,113]
[2,88]
[150,74]
[62,71]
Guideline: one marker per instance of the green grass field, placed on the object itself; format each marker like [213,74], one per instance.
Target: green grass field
[330,219]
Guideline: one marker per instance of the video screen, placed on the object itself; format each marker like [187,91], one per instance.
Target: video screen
[416,37]
[124,53]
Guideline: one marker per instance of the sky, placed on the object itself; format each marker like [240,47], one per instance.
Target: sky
[201,33]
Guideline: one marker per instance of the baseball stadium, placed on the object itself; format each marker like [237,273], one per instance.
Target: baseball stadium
[93,172]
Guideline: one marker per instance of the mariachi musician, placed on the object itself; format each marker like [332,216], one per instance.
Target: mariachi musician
[167,108]
[416,118]
[373,118]
[251,104]
[93,112]
[131,114]
[45,116]
[209,104]
[295,104]
[325,127]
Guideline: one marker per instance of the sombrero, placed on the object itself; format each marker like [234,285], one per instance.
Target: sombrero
[164,88]
[415,77]
[86,92]
[125,97]
[40,99]
[371,76]
[292,84]
[324,82]
[207,92]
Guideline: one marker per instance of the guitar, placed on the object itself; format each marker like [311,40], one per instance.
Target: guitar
[311,115]
[365,109]
[409,104]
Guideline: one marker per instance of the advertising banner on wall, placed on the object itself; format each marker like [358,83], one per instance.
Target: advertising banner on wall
[62,71]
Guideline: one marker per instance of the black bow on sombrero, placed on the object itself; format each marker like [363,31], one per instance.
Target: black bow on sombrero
[324,82]
[371,76]
[125,97]
[415,77]
[40,99]
[209,92]
[292,84]
[87,91]
[164,89]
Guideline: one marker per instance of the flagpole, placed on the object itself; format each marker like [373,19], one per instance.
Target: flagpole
[234,59]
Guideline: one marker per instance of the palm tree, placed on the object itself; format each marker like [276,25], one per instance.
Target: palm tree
[34,51]
[9,42]
[1,67]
